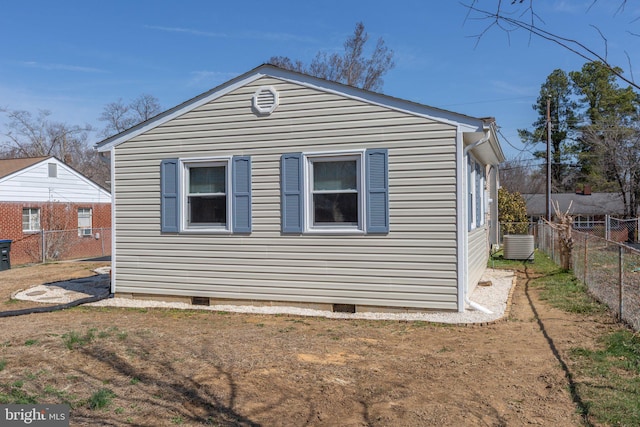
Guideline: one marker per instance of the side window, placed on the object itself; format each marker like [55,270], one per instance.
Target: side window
[30,220]
[53,170]
[342,192]
[206,195]
[335,192]
[85,221]
[476,178]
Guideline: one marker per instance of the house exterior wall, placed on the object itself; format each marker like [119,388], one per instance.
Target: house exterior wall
[26,247]
[414,265]
[478,255]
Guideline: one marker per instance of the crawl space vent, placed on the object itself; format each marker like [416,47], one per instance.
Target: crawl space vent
[265,100]
[199,301]
[344,308]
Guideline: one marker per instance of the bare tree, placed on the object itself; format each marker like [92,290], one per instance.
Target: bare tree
[37,136]
[29,136]
[522,177]
[351,67]
[520,15]
[619,141]
[120,116]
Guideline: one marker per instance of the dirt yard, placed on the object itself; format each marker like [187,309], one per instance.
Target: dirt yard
[159,367]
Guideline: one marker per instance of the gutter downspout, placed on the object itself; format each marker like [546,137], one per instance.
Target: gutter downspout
[465,243]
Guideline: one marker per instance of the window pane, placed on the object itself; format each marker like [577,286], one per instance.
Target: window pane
[25,219]
[335,208]
[209,179]
[340,175]
[30,219]
[208,210]
[84,218]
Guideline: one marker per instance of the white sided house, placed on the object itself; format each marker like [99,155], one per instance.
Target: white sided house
[43,194]
[277,187]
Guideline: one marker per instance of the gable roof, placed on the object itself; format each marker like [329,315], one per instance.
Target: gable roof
[466,123]
[10,166]
[593,204]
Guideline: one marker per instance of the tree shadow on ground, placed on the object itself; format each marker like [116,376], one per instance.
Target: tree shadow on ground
[582,407]
[161,388]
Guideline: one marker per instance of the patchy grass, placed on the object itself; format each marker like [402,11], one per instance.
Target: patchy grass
[562,289]
[101,399]
[612,378]
[74,339]
[608,378]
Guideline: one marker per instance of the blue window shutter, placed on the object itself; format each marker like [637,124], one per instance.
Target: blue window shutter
[170,196]
[241,188]
[377,187]
[291,198]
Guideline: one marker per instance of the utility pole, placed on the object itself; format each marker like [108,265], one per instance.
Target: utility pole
[548,211]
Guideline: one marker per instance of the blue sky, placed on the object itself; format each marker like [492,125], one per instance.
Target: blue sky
[73,57]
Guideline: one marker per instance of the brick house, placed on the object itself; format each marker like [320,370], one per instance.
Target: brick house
[43,197]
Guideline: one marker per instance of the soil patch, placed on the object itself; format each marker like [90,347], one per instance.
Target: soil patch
[186,367]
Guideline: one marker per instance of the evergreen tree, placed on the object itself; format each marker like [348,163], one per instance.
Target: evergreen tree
[558,90]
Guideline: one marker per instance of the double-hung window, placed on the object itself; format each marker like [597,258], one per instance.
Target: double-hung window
[30,220]
[206,195]
[476,183]
[337,193]
[85,220]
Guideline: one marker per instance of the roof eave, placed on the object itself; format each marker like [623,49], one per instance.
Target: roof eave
[464,122]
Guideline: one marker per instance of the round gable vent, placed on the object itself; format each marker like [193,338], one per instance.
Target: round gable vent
[265,100]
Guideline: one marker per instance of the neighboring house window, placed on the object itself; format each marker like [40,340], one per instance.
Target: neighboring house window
[53,170]
[476,183]
[206,195]
[584,221]
[343,192]
[85,221]
[30,219]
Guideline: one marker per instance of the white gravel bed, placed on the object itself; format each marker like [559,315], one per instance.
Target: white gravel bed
[493,297]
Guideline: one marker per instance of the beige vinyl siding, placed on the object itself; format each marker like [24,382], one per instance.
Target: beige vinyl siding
[413,266]
[478,256]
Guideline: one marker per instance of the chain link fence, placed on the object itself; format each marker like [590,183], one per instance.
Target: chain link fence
[59,245]
[609,268]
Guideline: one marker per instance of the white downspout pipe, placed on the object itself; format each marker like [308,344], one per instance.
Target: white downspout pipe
[466,299]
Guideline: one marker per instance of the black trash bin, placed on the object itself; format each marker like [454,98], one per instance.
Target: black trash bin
[5,254]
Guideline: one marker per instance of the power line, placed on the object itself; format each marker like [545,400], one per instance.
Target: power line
[521,150]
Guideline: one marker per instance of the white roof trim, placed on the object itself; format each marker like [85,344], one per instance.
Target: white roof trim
[464,123]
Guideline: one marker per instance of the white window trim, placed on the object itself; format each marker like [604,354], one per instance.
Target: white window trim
[184,181]
[472,178]
[471,193]
[483,195]
[308,159]
[32,230]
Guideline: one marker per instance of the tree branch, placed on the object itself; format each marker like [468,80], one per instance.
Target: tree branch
[512,24]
